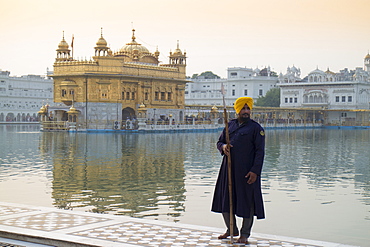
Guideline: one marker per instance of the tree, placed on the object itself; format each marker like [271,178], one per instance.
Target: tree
[272,98]
[206,75]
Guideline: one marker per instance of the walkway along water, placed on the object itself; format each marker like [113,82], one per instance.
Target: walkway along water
[68,228]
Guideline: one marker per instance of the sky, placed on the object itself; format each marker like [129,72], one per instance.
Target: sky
[216,34]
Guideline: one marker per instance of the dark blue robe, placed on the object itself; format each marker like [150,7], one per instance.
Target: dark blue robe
[247,154]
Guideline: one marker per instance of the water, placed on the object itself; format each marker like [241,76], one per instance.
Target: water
[316,182]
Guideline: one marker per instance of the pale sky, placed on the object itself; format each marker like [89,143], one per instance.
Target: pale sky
[216,34]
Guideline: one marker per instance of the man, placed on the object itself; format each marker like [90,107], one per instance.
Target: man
[246,150]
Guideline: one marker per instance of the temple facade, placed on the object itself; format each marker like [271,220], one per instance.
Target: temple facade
[115,86]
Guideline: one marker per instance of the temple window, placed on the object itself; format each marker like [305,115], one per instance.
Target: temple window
[64,92]
[169,96]
[163,96]
[127,95]
[133,95]
[156,96]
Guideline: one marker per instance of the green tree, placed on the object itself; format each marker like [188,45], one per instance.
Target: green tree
[206,75]
[272,98]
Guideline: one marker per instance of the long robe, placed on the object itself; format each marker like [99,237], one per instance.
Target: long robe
[247,154]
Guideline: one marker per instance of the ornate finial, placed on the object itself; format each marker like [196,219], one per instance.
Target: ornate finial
[178,45]
[63,34]
[101,32]
[133,35]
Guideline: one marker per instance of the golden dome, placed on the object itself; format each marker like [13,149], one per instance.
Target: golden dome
[133,45]
[43,110]
[367,56]
[63,44]
[142,105]
[72,110]
[177,51]
[214,109]
[101,42]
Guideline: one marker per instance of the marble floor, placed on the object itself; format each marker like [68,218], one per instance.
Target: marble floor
[56,227]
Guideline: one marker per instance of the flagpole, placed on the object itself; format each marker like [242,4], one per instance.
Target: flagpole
[73,37]
[230,184]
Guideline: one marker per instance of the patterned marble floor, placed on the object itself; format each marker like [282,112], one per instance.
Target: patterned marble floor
[61,226]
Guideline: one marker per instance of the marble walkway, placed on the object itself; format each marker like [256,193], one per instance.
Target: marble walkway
[56,227]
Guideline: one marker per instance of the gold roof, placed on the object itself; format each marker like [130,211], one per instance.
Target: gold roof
[367,56]
[43,110]
[133,45]
[72,110]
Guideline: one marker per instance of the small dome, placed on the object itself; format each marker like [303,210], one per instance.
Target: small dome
[63,44]
[177,51]
[294,69]
[214,109]
[367,56]
[101,42]
[72,110]
[43,110]
[329,72]
[317,71]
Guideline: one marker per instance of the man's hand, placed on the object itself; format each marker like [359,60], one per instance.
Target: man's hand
[226,149]
[252,177]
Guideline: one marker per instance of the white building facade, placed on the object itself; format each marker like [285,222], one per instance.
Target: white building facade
[341,94]
[22,97]
[240,82]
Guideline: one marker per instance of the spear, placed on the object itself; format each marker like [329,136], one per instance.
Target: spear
[230,184]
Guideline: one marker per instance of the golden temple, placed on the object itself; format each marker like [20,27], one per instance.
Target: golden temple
[112,86]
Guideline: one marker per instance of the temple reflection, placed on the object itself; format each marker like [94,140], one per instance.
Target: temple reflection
[134,175]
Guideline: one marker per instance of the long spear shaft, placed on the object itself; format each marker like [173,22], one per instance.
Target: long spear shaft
[230,184]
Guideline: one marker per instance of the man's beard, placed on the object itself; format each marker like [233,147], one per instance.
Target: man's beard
[245,117]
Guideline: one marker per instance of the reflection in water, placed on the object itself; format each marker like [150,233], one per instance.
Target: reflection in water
[135,175]
[313,179]
[325,158]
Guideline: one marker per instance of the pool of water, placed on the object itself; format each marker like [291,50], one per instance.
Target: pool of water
[315,181]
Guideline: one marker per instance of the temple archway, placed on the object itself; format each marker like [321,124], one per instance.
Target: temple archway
[128,113]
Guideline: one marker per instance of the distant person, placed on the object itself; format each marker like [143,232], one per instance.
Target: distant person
[247,150]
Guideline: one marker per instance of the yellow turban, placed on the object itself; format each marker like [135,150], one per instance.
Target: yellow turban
[240,103]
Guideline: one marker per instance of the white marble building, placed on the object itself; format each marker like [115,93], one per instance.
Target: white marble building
[342,94]
[240,82]
[21,97]
[325,90]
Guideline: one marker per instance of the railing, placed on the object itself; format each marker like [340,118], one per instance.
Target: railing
[54,126]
